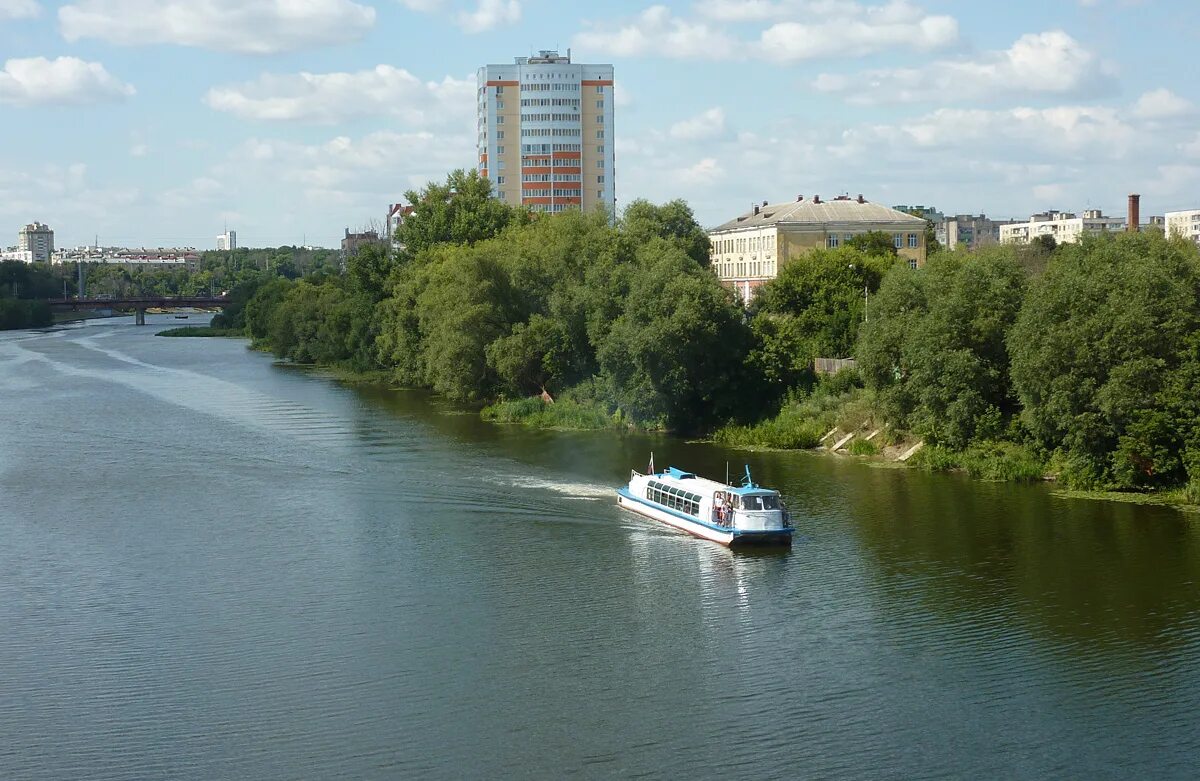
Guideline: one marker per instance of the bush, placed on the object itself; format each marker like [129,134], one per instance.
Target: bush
[935,458]
[201,330]
[1002,461]
[861,447]
[565,414]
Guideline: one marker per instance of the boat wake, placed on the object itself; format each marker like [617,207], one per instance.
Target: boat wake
[588,492]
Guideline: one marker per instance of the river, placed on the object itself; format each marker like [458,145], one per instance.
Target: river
[212,566]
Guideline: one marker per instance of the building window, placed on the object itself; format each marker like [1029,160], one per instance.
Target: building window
[898,240]
[832,241]
[499,120]
[600,119]
[599,134]
[600,179]
[912,241]
[500,164]
[500,90]
[599,104]
[599,88]
[600,194]
[499,180]
[503,196]
[499,150]
[599,163]
[912,264]
[499,104]
[600,149]
[499,135]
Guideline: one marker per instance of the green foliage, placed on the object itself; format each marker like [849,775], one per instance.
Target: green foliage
[875,243]
[643,221]
[461,211]
[1106,359]
[1002,461]
[29,280]
[935,350]
[16,313]
[261,306]
[565,413]
[813,309]
[861,447]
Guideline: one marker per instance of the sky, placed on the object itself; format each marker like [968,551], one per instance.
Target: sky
[159,122]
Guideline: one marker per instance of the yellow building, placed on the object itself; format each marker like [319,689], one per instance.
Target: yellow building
[750,249]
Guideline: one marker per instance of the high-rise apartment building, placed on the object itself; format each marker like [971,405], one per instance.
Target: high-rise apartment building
[546,132]
[227,240]
[37,239]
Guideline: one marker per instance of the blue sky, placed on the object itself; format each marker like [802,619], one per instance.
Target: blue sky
[156,122]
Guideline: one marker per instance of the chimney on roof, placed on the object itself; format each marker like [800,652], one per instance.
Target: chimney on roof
[764,204]
[799,198]
[861,199]
[756,208]
[1135,213]
[816,199]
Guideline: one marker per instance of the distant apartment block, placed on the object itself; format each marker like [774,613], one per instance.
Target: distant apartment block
[1185,224]
[924,212]
[750,249]
[969,230]
[546,132]
[1063,227]
[37,239]
[227,240]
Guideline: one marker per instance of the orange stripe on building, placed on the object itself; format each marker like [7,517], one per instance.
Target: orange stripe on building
[498,83]
[596,82]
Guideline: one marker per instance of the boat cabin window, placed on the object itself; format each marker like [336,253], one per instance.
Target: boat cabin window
[760,502]
[673,497]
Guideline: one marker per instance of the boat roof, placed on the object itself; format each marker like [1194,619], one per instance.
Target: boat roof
[675,473]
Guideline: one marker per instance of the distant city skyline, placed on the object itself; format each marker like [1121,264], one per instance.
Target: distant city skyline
[157,123]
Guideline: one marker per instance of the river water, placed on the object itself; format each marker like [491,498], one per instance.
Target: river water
[212,566]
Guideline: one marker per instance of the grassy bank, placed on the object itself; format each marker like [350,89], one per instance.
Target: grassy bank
[202,331]
[565,413]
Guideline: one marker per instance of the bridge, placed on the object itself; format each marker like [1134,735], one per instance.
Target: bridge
[139,304]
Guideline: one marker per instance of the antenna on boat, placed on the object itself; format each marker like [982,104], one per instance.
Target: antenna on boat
[650,471]
[747,482]
[726,473]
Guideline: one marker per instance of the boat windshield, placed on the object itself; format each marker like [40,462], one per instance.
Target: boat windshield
[760,502]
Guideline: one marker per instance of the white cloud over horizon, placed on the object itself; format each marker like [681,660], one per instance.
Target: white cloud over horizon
[242,26]
[19,9]
[329,98]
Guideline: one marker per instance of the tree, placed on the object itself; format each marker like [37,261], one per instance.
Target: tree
[935,349]
[461,211]
[643,221]
[675,353]
[875,243]
[1105,357]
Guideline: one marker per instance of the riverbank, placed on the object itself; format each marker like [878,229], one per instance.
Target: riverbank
[203,331]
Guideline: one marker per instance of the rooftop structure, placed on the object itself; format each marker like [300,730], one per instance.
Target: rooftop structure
[751,248]
[545,132]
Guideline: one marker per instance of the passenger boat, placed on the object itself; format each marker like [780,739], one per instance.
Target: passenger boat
[743,515]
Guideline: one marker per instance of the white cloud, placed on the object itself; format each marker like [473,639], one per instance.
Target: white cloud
[244,26]
[62,196]
[333,97]
[1086,131]
[656,31]
[1161,104]
[61,81]
[859,32]
[489,14]
[1037,63]
[706,125]
[705,171]
[486,14]
[19,9]
[803,29]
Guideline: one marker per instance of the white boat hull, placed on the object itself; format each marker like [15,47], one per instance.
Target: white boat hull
[641,508]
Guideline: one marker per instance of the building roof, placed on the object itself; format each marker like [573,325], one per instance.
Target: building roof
[841,211]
